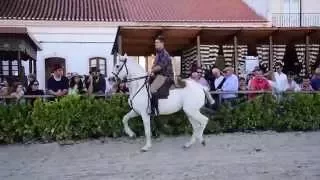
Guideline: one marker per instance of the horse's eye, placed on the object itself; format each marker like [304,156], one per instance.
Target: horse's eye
[117,66]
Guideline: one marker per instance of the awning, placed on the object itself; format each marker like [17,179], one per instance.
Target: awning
[13,39]
[139,40]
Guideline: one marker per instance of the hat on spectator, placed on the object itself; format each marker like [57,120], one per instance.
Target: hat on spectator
[278,64]
[94,69]
[32,76]
[76,75]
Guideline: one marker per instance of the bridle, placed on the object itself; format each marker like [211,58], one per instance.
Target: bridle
[125,80]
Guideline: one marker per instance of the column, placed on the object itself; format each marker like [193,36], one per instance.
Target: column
[235,54]
[270,53]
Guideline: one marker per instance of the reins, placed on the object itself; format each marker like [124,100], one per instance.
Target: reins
[146,84]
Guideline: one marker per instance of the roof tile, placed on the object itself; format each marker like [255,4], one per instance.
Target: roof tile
[129,10]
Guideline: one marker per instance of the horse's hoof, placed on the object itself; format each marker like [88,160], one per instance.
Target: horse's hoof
[203,142]
[186,146]
[133,136]
[145,149]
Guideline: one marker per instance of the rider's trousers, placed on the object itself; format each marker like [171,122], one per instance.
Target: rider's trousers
[157,83]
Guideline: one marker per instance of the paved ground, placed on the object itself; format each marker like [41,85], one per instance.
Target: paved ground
[258,156]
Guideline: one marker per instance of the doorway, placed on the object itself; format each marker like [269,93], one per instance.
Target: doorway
[50,63]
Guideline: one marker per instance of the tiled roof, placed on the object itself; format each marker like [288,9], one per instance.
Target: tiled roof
[62,10]
[129,10]
[190,10]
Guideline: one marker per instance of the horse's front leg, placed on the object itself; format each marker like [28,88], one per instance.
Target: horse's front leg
[125,121]
[147,131]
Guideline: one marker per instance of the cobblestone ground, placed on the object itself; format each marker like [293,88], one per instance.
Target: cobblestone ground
[259,156]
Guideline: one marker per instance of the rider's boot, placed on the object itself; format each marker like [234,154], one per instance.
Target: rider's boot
[154,105]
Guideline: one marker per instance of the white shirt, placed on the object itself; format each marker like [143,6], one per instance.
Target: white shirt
[217,81]
[293,85]
[281,81]
[230,85]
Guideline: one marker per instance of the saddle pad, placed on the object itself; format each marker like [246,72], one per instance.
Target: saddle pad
[164,90]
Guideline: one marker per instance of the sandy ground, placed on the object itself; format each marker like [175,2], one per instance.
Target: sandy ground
[266,155]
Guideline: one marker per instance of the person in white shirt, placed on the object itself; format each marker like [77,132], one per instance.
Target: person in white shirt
[231,84]
[218,78]
[292,84]
[281,79]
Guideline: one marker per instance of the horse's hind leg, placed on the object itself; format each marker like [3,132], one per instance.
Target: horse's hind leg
[125,120]
[203,121]
[199,123]
[194,133]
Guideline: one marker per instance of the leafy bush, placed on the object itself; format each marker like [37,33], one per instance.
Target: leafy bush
[75,117]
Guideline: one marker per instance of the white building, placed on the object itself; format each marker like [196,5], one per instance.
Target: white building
[79,34]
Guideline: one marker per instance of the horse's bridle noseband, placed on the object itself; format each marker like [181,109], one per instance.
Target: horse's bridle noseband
[124,65]
[145,84]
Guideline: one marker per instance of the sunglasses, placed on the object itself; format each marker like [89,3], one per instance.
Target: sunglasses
[36,84]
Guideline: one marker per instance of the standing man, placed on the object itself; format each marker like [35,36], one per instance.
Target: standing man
[161,72]
[58,84]
[231,85]
[96,83]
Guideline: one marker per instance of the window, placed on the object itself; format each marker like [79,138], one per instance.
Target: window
[291,6]
[9,68]
[100,63]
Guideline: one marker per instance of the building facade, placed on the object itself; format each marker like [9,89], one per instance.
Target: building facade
[288,13]
[80,34]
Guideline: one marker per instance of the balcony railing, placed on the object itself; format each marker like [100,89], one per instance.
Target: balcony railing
[296,19]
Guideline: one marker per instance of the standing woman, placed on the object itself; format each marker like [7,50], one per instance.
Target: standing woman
[76,85]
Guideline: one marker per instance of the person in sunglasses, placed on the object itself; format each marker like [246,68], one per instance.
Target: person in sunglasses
[34,90]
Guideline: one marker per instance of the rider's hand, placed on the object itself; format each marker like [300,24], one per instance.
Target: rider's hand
[151,74]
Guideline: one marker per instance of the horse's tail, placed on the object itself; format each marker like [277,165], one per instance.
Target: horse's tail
[180,83]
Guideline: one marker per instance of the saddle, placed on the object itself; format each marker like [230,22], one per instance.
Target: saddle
[163,93]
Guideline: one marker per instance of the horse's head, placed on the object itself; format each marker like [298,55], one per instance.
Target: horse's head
[121,69]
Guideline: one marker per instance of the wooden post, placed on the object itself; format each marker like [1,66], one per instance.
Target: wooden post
[270,53]
[35,67]
[20,74]
[30,66]
[120,44]
[307,55]
[235,58]
[146,63]
[198,52]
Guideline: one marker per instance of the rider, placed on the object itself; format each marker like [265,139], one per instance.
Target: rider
[161,72]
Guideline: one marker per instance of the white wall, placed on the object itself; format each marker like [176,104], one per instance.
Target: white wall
[261,7]
[75,44]
[311,6]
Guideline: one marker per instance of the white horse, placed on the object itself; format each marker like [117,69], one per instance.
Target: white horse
[190,98]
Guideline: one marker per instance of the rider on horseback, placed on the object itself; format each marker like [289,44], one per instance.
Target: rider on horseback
[161,73]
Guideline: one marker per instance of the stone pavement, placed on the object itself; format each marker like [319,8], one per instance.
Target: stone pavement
[266,155]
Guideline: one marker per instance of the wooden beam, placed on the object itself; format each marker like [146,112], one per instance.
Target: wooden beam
[120,44]
[146,63]
[198,52]
[19,66]
[307,54]
[270,53]
[235,58]
[35,67]
[30,66]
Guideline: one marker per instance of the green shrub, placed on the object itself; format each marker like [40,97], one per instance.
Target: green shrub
[75,117]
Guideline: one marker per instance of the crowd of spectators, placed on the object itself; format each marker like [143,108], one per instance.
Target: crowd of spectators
[276,81]
[59,85]
[216,79]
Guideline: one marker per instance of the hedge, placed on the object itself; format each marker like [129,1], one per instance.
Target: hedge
[74,118]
